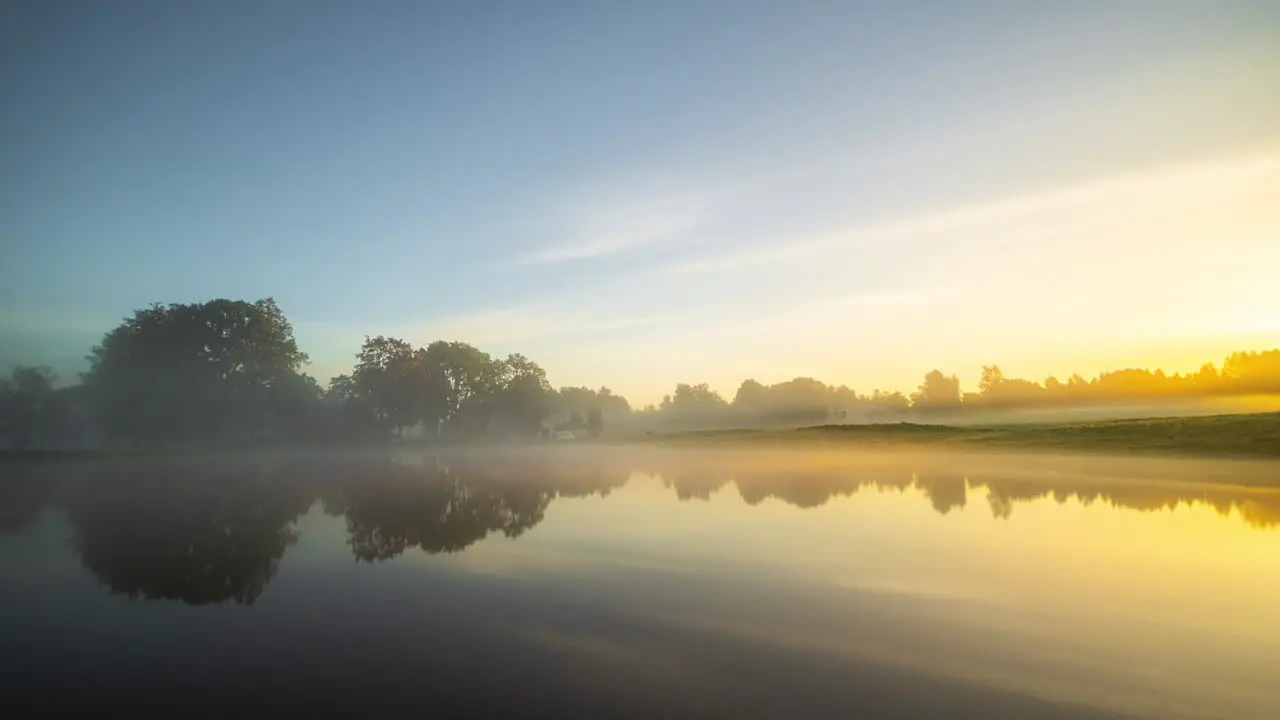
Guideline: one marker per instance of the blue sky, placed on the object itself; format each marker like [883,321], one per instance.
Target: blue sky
[635,194]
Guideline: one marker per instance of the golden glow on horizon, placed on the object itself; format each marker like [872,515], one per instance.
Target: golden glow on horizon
[1170,269]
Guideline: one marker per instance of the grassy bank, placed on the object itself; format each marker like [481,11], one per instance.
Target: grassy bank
[1254,435]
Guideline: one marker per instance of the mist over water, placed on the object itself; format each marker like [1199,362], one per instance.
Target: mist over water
[637,581]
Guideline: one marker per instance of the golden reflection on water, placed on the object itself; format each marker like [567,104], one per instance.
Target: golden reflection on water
[1125,584]
[1139,594]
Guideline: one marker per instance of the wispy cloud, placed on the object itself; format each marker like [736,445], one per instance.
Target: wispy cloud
[899,298]
[603,230]
[525,323]
[598,223]
[1188,177]
[580,251]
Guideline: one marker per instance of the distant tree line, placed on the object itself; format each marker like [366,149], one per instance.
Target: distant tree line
[231,371]
[807,401]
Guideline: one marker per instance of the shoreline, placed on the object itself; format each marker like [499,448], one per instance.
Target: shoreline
[1253,436]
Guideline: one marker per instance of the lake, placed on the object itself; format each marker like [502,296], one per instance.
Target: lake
[642,581]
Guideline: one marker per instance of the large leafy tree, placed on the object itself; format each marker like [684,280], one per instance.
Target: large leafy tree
[938,391]
[194,371]
[591,409]
[693,398]
[32,410]
[395,382]
[472,379]
[524,395]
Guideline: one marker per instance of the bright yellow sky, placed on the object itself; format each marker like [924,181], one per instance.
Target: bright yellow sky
[1169,267]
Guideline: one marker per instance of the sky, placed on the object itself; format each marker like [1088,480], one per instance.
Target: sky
[638,194]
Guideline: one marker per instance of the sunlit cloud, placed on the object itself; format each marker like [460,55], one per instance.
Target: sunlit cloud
[599,230]
[525,323]
[913,296]
[1163,181]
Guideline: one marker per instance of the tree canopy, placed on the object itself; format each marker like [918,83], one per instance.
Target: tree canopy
[179,372]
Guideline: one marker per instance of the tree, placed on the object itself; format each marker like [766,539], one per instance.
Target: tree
[386,378]
[32,412]
[694,397]
[197,371]
[524,395]
[1252,371]
[471,377]
[1206,379]
[885,401]
[991,379]
[844,398]
[579,402]
[612,406]
[595,422]
[937,392]
[752,396]
[297,404]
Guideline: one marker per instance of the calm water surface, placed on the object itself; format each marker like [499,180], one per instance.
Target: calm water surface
[624,582]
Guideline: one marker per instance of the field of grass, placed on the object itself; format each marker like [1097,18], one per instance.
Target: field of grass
[1254,435]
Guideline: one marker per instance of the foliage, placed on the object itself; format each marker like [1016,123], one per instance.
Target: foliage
[938,392]
[449,387]
[185,372]
[595,421]
[31,409]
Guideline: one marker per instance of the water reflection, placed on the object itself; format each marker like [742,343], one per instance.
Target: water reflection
[203,533]
[198,534]
[25,494]
[447,505]
[948,488]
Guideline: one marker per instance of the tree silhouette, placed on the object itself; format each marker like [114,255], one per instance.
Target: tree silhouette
[595,421]
[182,372]
[937,392]
[32,411]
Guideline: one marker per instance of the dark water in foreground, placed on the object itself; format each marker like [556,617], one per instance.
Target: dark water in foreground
[610,583]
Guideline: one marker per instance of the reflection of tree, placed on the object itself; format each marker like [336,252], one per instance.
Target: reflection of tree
[1261,510]
[695,485]
[1258,515]
[449,506]
[435,513]
[158,532]
[1001,506]
[802,488]
[944,491]
[789,480]
[24,494]
[597,476]
[205,534]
